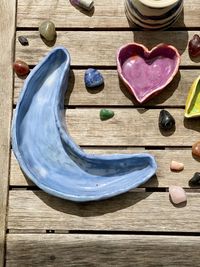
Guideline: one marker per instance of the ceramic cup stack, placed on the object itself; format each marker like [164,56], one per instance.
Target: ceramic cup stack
[153,14]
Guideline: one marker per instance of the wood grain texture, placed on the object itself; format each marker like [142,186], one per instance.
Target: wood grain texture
[7,29]
[100,47]
[133,211]
[164,177]
[102,250]
[138,210]
[106,14]
[115,93]
[129,127]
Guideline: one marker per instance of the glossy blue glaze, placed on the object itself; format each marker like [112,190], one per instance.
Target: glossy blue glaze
[93,78]
[48,155]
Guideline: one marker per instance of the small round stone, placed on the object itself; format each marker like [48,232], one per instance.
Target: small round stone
[23,40]
[106,114]
[177,194]
[166,121]
[176,166]
[47,30]
[196,149]
[195,180]
[93,78]
[20,67]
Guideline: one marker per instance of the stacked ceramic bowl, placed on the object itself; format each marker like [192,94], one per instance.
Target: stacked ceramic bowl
[153,14]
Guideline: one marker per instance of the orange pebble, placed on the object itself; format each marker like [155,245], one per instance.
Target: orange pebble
[196,149]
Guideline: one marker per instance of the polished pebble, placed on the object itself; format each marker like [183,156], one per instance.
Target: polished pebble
[196,149]
[195,180]
[23,40]
[47,30]
[21,68]
[176,166]
[106,114]
[194,46]
[177,194]
[85,4]
[93,78]
[166,121]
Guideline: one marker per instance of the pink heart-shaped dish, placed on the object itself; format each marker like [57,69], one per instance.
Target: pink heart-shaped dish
[144,72]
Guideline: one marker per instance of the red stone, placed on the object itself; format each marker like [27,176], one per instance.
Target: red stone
[194,46]
[20,67]
[196,149]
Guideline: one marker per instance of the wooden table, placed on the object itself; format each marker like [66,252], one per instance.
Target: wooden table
[141,227]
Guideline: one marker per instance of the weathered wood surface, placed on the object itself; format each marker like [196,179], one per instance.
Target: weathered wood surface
[115,93]
[100,47]
[164,178]
[139,210]
[102,250]
[133,211]
[106,14]
[7,29]
[129,127]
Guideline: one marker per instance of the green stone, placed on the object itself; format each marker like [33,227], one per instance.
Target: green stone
[106,114]
[47,30]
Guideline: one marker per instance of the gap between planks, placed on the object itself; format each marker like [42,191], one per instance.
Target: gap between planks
[141,189]
[93,232]
[87,29]
[157,233]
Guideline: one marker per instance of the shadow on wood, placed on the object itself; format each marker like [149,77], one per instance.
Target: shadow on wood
[192,124]
[152,38]
[90,209]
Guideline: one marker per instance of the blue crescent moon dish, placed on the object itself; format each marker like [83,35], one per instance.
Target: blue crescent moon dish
[48,155]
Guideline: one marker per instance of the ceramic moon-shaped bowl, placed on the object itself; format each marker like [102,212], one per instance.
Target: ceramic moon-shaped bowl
[145,73]
[48,155]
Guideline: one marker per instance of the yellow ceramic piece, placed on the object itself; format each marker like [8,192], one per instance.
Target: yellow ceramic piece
[192,106]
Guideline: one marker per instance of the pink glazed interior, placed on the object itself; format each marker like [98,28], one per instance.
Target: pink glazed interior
[147,72]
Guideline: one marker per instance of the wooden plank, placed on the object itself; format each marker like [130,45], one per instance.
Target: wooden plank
[106,14]
[115,93]
[7,29]
[92,250]
[128,128]
[164,177]
[100,47]
[133,211]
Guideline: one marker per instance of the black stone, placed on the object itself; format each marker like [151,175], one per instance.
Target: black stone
[195,180]
[23,40]
[166,121]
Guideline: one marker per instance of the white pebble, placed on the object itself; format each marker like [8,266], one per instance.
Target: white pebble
[176,166]
[177,194]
